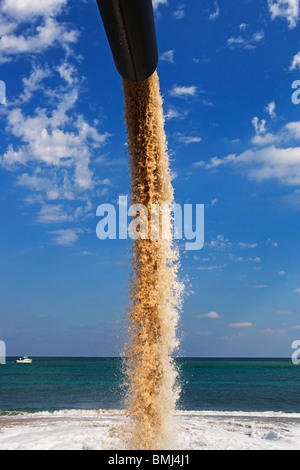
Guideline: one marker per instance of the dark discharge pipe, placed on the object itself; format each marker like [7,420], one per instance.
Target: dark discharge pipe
[130,29]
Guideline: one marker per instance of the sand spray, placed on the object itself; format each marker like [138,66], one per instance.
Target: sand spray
[155,291]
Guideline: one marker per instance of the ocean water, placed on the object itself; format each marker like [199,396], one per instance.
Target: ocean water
[50,384]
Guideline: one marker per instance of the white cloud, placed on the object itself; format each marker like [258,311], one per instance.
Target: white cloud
[293,130]
[188,139]
[295,62]
[33,83]
[281,273]
[290,131]
[53,214]
[219,243]
[271,162]
[216,13]
[184,91]
[265,139]
[284,312]
[233,42]
[168,56]
[47,35]
[65,237]
[288,9]
[270,109]
[246,42]
[257,259]
[6,26]
[86,253]
[292,199]
[208,103]
[211,268]
[247,245]
[179,13]
[29,9]
[212,315]
[202,163]
[53,145]
[62,213]
[260,286]
[297,290]
[46,140]
[68,73]
[52,153]
[258,36]
[236,258]
[38,183]
[240,325]
[157,3]
[173,113]
[259,126]
[277,332]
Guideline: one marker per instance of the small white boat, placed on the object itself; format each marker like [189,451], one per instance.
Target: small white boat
[24,360]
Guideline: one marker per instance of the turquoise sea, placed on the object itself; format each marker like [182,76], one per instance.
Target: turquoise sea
[50,384]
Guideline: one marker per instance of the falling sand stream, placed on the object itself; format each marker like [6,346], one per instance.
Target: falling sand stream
[155,291]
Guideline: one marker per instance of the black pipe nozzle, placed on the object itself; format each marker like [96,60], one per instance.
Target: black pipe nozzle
[130,29]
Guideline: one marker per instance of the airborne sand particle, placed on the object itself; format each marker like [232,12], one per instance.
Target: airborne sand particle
[155,291]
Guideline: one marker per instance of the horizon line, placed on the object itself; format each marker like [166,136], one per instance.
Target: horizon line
[175,357]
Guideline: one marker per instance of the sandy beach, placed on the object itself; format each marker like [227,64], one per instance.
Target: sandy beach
[102,429]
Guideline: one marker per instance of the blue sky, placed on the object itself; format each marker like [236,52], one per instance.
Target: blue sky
[226,71]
